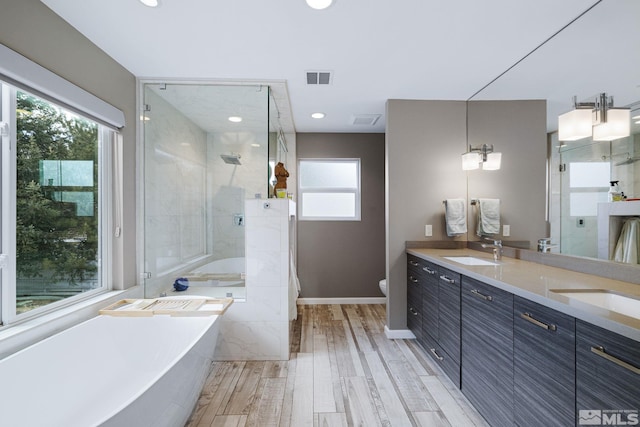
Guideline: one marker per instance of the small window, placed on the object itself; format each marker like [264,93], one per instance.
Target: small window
[329,189]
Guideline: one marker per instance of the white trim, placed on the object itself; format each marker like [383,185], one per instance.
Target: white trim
[398,334]
[355,300]
[26,74]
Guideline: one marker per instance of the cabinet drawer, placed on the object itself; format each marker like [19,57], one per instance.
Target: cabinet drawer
[447,363]
[449,312]
[544,365]
[607,370]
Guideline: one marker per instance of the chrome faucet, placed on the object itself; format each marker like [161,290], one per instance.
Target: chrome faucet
[497,248]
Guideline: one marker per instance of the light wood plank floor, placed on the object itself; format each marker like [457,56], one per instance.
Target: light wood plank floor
[343,371]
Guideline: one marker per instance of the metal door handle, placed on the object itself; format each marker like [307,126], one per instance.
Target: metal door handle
[529,318]
[446,279]
[413,279]
[415,264]
[429,270]
[477,293]
[600,351]
[413,311]
[435,353]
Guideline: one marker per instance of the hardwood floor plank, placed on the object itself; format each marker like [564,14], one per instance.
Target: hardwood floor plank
[287,403]
[342,351]
[362,408]
[447,404]
[335,419]
[267,411]
[418,366]
[361,338]
[353,348]
[229,421]
[336,312]
[302,405]
[323,398]
[433,419]
[412,391]
[393,406]
[245,389]
[306,334]
[222,388]
[275,369]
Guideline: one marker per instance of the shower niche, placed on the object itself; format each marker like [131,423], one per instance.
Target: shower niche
[205,150]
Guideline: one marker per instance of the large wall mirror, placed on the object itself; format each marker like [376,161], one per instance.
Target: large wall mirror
[596,53]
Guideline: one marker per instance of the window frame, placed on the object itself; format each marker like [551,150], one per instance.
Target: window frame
[8,210]
[357,191]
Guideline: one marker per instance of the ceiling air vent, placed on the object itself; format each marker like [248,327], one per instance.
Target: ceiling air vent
[365,119]
[318,77]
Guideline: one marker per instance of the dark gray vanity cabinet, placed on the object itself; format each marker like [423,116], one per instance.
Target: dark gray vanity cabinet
[415,283]
[430,298]
[487,350]
[544,365]
[607,376]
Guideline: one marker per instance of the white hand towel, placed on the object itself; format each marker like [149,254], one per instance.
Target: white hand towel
[628,246]
[455,216]
[488,217]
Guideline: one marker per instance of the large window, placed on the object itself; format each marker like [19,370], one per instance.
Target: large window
[329,189]
[53,199]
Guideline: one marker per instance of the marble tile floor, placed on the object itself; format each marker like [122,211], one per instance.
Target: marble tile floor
[343,371]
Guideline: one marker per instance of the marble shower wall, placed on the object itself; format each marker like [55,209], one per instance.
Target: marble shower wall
[258,328]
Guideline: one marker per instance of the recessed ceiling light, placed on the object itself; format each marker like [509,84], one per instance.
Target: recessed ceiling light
[235,119]
[318,115]
[319,4]
[150,3]
[255,145]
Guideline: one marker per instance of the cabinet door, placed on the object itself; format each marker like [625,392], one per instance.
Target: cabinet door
[487,350]
[544,366]
[607,376]
[430,300]
[449,312]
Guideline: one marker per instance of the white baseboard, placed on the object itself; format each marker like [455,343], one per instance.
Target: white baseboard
[319,301]
[398,334]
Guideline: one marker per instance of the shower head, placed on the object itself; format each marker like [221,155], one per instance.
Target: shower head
[231,159]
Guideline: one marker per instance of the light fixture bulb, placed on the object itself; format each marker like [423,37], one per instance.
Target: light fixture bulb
[471,161]
[235,119]
[493,162]
[575,125]
[319,4]
[150,3]
[318,115]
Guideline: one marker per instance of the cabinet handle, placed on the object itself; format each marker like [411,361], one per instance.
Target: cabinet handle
[429,270]
[599,350]
[435,353]
[413,311]
[415,264]
[477,293]
[413,279]
[446,279]
[529,318]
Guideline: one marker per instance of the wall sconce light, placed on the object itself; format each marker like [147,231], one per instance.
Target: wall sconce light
[597,119]
[482,156]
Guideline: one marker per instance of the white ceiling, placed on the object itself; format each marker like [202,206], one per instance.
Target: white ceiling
[377,49]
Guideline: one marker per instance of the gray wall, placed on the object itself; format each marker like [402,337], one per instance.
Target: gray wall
[424,141]
[345,258]
[33,30]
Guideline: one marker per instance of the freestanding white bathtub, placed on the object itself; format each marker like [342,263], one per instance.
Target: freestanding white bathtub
[110,371]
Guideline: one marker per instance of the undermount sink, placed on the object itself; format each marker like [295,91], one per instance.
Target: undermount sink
[609,300]
[469,260]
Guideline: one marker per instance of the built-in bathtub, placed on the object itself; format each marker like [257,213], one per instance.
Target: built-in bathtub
[110,371]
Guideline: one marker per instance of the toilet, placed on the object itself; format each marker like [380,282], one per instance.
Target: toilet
[383,286]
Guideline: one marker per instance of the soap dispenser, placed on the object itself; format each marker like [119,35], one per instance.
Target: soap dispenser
[614,194]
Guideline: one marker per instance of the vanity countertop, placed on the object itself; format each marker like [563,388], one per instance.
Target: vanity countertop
[535,281]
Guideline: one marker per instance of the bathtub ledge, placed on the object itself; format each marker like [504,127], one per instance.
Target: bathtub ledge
[20,335]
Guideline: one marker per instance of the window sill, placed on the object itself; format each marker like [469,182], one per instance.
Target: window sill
[14,338]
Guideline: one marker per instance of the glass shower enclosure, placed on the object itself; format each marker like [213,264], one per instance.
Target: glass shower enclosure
[206,150]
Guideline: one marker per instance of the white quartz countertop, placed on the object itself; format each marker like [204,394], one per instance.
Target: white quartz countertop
[535,281]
